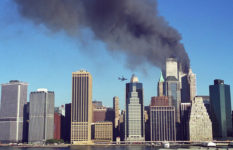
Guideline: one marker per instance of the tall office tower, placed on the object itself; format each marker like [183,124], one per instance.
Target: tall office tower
[66,125]
[57,125]
[220,104]
[134,119]
[192,84]
[147,122]
[200,126]
[41,116]
[162,120]
[116,131]
[184,88]
[81,107]
[172,86]
[116,110]
[13,99]
[171,67]
[122,125]
[26,122]
[160,87]
[184,119]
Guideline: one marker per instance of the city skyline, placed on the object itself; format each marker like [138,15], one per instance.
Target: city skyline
[50,64]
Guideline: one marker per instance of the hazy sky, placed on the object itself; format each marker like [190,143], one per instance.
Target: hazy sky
[33,54]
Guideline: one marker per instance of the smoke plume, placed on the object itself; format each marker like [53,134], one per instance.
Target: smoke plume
[131,26]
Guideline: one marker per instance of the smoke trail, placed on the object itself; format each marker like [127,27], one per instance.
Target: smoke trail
[130,26]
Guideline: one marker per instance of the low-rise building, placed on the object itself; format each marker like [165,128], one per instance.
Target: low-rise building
[102,131]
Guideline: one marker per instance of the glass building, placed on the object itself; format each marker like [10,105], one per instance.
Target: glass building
[134,117]
[173,93]
[220,106]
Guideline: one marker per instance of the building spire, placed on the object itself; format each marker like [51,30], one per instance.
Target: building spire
[161,79]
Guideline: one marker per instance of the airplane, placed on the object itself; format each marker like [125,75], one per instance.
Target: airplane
[122,78]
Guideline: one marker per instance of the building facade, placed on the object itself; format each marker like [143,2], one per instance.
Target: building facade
[172,86]
[159,101]
[171,67]
[162,123]
[200,125]
[185,109]
[41,116]
[57,126]
[102,131]
[81,107]
[66,124]
[220,106]
[13,100]
[134,117]
[192,84]
[99,114]
[116,111]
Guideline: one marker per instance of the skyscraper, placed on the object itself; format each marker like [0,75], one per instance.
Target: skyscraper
[41,116]
[57,125]
[134,119]
[81,107]
[171,68]
[162,120]
[13,99]
[66,125]
[220,105]
[116,110]
[116,124]
[172,86]
[192,84]
[200,126]
[184,119]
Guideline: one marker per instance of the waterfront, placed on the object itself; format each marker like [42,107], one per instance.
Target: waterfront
[134,147]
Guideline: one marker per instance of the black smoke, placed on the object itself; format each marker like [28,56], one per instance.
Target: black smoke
[131,26]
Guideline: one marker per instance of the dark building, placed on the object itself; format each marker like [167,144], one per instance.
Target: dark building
[220,105]
[26,122]
[110,113]
[147,123]
[57,126]
[66,124]
[172,86]
[185,109]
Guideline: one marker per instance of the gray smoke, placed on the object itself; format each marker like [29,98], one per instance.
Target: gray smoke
[131,26]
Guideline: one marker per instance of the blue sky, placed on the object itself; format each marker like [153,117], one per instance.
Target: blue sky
[33,54]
